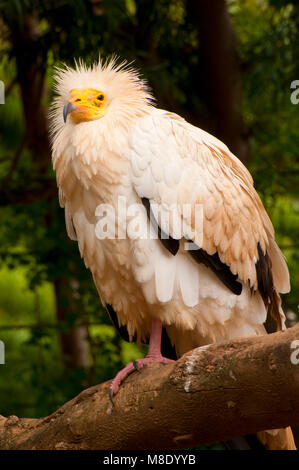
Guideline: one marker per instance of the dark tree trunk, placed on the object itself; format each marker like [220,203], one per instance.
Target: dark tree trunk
[31,59]
[73,339]
[218,74]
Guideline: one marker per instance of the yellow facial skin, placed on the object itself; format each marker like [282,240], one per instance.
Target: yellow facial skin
[85,104]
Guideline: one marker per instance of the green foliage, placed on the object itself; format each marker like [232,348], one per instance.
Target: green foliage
[269,49]
[35,253]
[33,357]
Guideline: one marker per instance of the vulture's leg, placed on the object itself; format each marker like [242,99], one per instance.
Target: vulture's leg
[153,355]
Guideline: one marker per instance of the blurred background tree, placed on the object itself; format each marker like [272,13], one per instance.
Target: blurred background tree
[225,66]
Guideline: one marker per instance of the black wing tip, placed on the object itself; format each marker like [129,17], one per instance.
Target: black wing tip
[267,289]
[221,269]
[171,244]
[213,262]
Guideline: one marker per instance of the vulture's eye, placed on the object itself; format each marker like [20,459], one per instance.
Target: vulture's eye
[101,98]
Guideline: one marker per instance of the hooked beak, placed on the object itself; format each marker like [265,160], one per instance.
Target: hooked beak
[68,108]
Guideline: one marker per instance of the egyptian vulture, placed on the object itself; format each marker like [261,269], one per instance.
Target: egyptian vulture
[167,219]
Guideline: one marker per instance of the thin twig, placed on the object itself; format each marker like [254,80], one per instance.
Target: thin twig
[13,166]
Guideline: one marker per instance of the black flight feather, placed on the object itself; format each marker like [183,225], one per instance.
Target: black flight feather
[213,262]
[267,290]
[167,241]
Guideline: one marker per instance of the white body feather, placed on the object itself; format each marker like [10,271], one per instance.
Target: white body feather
[138,151]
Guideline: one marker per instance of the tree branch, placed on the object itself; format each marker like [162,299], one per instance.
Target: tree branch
[211,394]
[43,189]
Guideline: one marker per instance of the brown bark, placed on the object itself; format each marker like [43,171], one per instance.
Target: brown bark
[211,394]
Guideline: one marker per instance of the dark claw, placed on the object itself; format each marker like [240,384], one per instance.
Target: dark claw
[111,396]
[135,364]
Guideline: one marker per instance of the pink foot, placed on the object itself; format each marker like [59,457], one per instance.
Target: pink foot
[154,355]
[131,367]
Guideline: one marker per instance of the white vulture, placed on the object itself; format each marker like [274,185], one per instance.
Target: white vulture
[167,219]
